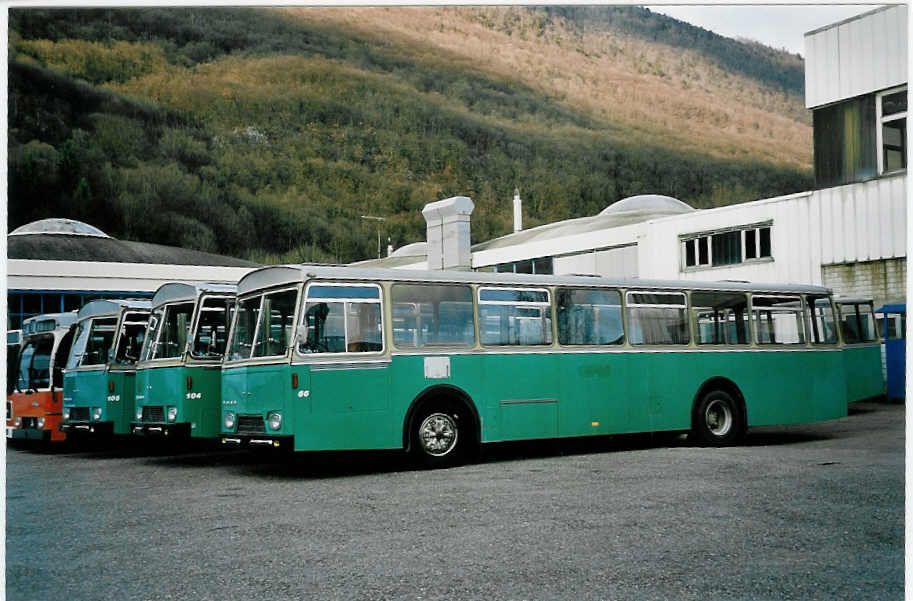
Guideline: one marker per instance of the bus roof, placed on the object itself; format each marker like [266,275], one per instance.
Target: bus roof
[268,277]
[110,307]
[47,322]
[178,291]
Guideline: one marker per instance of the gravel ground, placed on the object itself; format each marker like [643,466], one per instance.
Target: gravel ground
[801,512]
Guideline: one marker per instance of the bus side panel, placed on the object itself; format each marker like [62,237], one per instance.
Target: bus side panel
[347,408]
[599,394]
[794,387]
[200,406]
[862,369]
[120,403]
[523,391]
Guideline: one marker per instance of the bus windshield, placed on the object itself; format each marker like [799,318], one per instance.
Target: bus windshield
[266,331]
[212,327]
[130,341]
[34,364]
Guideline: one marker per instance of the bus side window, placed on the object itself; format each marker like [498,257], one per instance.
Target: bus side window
[657,318]
[432,316]
[778,319]
[857,322]
[510,316]
[823,324]
[587,316]
[720,317]
[342,319]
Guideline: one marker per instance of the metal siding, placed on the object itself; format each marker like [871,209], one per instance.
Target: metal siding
[898,201]
[815,234]
[857,57]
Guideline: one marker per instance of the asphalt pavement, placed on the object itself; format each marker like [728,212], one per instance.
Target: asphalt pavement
[811,511]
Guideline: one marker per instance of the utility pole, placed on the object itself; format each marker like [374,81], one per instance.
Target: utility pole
[379,221]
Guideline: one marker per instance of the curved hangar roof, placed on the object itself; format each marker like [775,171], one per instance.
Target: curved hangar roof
[70,240]
[633,209]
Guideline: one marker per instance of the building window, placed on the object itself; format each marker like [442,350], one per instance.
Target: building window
[891,107]
[730,247]
[541,265]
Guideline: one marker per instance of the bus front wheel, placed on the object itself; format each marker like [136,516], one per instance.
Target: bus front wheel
[718,419]
[440,436]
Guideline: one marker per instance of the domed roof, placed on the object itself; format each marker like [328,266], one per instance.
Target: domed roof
[416,249]
[652,203]
[70,227]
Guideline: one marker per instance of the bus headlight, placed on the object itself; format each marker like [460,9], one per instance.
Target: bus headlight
[17,422]
[66,413]
[172,413]
[275,420]
[139,413]
[40,423]
[229,420]
[96,413]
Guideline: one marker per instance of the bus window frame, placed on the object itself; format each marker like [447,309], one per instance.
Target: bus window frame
[121,323]
[621,308]
[628,305]
[876,335]
[336,284]
[809,310]
[104,364]
[548,303]
[435,347]
[160,328]
[803,319]
[692,318]
[262,293]
[195,324]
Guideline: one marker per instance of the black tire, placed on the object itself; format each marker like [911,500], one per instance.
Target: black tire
[441,435]
[718,419]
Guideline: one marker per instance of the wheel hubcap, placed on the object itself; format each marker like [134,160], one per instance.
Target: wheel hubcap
[438,434]
[718,418]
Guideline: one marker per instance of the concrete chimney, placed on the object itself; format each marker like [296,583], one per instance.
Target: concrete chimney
[448,233]
[518,211]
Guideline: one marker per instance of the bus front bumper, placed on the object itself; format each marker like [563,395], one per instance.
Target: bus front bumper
[28,434]
[95,428]
[152,429]
[258,440]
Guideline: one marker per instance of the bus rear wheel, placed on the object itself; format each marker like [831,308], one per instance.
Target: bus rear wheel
[718,419]
[440,436]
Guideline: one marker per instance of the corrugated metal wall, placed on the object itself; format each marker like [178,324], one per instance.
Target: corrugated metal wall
[858,56]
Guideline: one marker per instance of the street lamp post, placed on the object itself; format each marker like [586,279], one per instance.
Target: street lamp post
[379,221]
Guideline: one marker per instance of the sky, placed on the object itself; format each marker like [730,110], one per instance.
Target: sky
[782,27]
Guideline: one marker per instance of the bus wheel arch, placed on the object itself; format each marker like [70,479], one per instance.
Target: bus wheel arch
[450,411]
[719,416]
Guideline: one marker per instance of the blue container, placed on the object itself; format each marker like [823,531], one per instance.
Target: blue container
[894,322]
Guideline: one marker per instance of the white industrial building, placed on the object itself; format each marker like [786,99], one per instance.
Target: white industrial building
[56,265]
[848,234]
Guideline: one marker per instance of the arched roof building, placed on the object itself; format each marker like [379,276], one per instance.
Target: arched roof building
[56,265]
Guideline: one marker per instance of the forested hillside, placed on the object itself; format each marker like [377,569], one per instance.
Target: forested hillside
[266,133]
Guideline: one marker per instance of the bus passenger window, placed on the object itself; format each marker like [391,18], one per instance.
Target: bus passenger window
[587,316]
[857,322]
[657,318]
[432,316]
[823,324]
[342,319]
[720,317]
[778,319]
[510,316]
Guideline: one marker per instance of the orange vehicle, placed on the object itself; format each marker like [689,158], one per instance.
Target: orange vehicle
[34,405]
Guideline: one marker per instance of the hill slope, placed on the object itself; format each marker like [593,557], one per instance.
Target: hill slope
[266,133]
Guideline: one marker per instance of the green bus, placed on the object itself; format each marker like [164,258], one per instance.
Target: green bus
[862,348]
[99,380]
[336,358]
[178,377]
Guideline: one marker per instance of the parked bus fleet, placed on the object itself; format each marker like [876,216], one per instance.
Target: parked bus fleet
[310,358]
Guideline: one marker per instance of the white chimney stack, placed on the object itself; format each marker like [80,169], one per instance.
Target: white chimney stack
[448,233]
[518,211]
